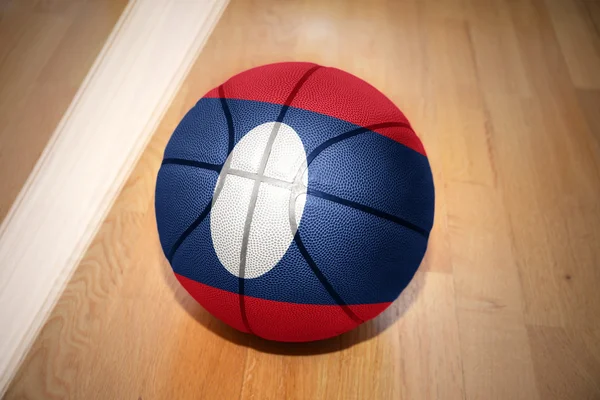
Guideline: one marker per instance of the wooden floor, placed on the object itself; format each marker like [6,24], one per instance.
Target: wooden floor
[505,95]
[46,50]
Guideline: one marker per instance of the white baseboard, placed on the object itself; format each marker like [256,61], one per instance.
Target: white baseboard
[91,153]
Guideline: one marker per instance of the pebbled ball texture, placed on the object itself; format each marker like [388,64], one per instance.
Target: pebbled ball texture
[314,222]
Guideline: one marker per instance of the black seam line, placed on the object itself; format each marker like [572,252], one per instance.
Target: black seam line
[369,210]
[349,134]
[208,166]
[242,301]
[189,230]
[338,299]
[191,163]
[249,215]
[364,129]
[311,156]
[294,92]
[229,119]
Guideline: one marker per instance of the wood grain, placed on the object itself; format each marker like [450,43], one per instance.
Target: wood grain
[90,155]
[46,50]
[504,95]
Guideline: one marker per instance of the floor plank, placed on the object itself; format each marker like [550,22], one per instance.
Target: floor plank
[503,94]
[549,161]
[46,51]
[552,349]
[489,301]
[579,41]
[590,104]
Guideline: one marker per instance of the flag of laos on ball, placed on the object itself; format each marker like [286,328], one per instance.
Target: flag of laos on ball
[294,202]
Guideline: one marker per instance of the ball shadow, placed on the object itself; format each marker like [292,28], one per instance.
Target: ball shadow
[362,333]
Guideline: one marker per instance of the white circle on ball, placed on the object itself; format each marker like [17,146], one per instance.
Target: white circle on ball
[260,194]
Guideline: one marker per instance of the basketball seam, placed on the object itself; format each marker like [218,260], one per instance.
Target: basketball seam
[321,194]
[192,163]
[306,255]
[336,139]
[408,126]
[209,166]
[351,133]
[312,192]
[229,118]
[323,279]
[256,187]
[368,210]
[189,231]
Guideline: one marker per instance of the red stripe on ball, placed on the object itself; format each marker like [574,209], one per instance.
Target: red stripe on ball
[328,91]
[295,322]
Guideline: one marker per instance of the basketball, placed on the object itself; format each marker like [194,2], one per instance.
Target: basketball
[294,202]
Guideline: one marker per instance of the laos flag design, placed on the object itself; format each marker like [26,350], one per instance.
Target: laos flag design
[294,202]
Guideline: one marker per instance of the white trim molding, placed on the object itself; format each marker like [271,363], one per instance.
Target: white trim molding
[88,158]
